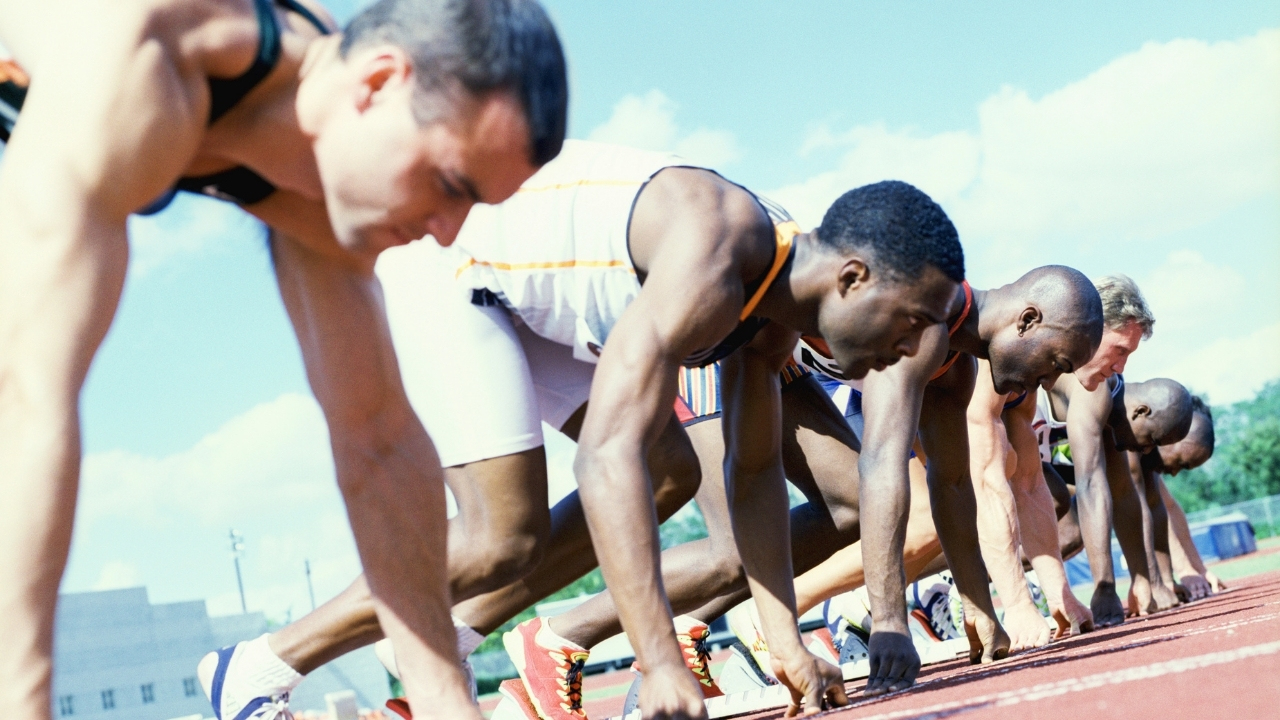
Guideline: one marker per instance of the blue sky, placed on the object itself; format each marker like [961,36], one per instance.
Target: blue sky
[1137,137]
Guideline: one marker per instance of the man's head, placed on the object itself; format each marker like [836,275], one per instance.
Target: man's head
[1154,413]
[899,266]
[1196,448]
[1129,321]
[427,107]
[1050,323]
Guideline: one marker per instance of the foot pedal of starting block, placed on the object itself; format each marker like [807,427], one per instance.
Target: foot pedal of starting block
[515,703]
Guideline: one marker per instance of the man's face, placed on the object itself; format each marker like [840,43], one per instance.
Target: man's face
[389,180]
[1113,353]
[875,322]
[1183,455]
[1029,353]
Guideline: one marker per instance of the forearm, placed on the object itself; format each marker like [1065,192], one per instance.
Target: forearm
[1182,549]
[1093,508]
[1038,521]
[758,502]
[1159,531]
[394,492]
[615,492]
[884,497]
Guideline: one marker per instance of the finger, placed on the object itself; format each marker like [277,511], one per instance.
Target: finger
[836,696]
[909,677]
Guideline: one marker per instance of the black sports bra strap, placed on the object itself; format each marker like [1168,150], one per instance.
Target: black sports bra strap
[306,14]
[225,93]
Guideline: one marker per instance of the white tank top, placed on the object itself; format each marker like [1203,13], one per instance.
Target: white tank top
[1051,433]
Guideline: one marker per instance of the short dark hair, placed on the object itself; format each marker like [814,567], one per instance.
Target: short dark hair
[480,45]
[1199,406]
[902,227]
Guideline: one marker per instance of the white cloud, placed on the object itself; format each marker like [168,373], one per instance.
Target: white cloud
[116,575]
[268,473]
[1123,170]
[648,122]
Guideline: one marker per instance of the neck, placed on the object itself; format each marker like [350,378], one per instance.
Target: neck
[793,298]
[970,336]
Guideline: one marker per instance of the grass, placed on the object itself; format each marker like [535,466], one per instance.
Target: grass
[1233,569]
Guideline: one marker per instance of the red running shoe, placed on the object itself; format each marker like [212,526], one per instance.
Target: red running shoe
[692,635]
[550,671]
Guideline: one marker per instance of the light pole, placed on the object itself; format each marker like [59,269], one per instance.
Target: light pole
[237,549]
[310,590]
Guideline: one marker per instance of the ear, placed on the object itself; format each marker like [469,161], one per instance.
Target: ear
[380,70]
[1140,411]
[1029,316]
[854,272]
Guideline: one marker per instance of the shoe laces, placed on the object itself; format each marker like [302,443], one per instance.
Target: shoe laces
[569,666]
[697,654]
[277,708]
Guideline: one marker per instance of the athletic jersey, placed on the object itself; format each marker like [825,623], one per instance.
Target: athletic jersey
[814,354]
[557,256]
[239,184]
[1051,433]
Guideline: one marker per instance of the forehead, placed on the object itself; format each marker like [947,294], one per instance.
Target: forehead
[1128,336]
[931,295]
[491,146]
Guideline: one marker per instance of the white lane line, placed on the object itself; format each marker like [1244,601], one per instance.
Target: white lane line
[1089,682]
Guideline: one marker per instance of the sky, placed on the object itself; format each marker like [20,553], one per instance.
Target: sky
[1139,137]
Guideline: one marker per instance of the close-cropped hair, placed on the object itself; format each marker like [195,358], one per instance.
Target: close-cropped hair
[903,229]
[477,46]
[1122,303]
[1199,406]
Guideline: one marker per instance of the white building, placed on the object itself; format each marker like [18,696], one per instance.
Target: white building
[119,656]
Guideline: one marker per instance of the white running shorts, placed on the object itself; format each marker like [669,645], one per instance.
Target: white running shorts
[480,384]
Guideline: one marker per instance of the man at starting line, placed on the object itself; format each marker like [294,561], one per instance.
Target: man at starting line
[344,144]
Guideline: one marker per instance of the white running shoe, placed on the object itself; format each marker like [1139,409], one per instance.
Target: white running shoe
[213,671]
[930,611]
[741,673]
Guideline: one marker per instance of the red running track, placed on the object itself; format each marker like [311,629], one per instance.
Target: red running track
[1216,658]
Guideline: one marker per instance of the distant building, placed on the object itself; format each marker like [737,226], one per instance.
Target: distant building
[119,656]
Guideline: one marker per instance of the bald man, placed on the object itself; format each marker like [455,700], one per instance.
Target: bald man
[1101,425]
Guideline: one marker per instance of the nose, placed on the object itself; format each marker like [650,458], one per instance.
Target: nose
[909,345]
[445,225]
[1118,366]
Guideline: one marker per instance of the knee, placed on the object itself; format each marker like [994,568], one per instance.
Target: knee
[508,554]
[677,475]
[846,519]
[724,570]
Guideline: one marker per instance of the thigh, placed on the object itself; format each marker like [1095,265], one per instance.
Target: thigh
[562,383]
[819,447]
[463,366]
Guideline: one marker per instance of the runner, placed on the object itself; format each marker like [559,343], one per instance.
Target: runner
[1168,523]
[1115,417]
[663,259]
[1127,320]
[344,144]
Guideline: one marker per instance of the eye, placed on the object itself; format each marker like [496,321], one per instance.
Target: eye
[449,188]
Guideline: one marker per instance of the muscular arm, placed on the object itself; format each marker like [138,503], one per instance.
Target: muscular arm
[992,462]
[891,404]
[75,167]
[1187,565]
[758,505]
[1086,426]
[387,468]
[1039,521]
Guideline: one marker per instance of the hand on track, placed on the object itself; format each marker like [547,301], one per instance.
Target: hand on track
[1072,617]
[988,641]
[1026,627]
[816,683]
[894,663]
[671,694]
[1106,606]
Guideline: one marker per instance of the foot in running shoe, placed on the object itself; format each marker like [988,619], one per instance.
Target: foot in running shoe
[930,615]
[386,655]
[246,681]
[550,668]
[744,622]
[692,635]
[1026,627]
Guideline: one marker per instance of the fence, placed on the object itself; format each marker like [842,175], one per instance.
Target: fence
[1263,514]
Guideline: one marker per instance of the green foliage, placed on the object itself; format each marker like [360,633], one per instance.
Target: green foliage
[1246,463]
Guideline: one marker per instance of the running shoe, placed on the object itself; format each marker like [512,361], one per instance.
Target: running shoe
[741,673]
[744,621]
[930,616]
[550,671]
[822,645]
[693,635]
[212,672]
[1037,594]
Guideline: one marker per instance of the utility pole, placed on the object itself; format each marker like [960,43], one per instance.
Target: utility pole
[310,590]
[237,549]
